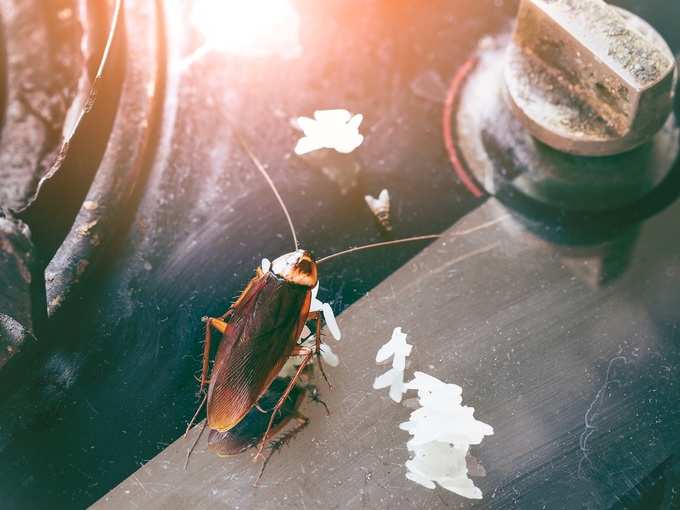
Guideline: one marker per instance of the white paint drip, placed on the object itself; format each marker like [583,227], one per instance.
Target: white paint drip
[397,349]
[394,379]
[444,464]
[442,431]
[307,339]
[328,315]
[329,129]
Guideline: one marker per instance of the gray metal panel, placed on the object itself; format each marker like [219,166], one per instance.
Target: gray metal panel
[579,379]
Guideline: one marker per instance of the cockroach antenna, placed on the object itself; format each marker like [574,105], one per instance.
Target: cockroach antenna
[378,245]
[267,178]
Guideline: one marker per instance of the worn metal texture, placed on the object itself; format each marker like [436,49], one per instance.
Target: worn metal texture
[42,67]
[184,229]
[115,383]
[587,78]
[578,377]
[54,203]
[110,201]
[19,310]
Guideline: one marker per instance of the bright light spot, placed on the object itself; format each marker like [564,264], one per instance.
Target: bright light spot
[330,129]
[248,27]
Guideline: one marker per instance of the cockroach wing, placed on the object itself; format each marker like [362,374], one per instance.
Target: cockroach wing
[249,430]
[263,330]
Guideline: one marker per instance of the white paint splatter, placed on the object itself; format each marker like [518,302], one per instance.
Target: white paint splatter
[441,406]
[328,315]
[307,339]
[330,129]
[394,379]
[266,265]
[444,464]
[442,431]
[329,357]
[397,349]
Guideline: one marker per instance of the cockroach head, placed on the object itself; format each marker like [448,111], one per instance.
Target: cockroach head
[296,267]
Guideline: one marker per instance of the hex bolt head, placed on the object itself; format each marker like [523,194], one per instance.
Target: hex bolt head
[588,78]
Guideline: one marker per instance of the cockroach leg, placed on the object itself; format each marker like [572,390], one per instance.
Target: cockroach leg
[315,398]
[220,326]
[190,450]
[198,380]
[286,437]
[227,315]
[317,338]
[193,419]
[291,384]
[301,351]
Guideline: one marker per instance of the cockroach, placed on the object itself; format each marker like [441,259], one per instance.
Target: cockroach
[249,431]
[260,332]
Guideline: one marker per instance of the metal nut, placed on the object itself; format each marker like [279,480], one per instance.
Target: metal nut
[587,78]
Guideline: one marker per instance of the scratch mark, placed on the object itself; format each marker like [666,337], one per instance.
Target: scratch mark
[91,406]
[589,427]
[139,482]
[481,226]
[357,404]
[455,261]
[302,499]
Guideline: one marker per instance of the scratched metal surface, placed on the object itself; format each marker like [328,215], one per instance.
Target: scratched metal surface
[112,383]
[579,379]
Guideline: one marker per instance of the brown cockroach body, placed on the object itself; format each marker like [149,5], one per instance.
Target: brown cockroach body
[260,332]
[249,431]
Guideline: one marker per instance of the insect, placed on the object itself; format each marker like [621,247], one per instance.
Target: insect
[380,207]
[250,430]
[260,332]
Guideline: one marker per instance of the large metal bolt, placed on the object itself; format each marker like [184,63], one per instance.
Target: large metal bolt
[588,78]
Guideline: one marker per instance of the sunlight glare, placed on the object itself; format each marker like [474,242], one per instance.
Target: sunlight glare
[248,27]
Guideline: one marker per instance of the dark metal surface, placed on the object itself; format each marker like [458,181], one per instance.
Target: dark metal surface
[579,378]
[187,220]
[41,69]
[113,383]
[19,311]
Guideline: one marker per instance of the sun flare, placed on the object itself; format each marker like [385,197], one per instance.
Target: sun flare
[248,28]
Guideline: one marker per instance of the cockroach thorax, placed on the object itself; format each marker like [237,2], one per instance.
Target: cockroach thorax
[296,267]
